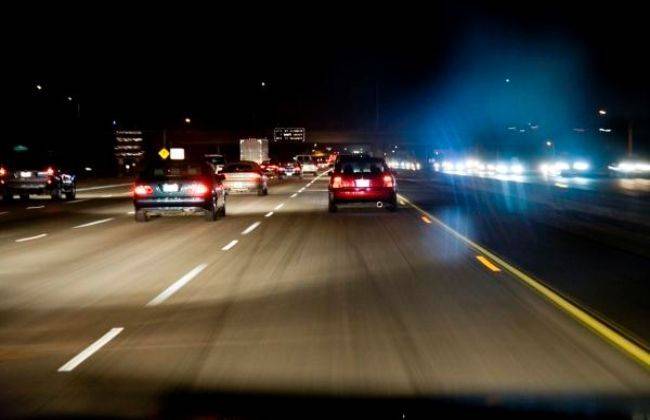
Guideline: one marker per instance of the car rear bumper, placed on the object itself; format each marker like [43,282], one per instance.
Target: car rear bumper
[36,187]
[173,205]
[234,187]
[351,195]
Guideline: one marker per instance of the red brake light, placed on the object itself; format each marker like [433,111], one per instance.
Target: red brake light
[198,189]
[49,171]
[337,181]
[143,190]
[3,172]
[388,181]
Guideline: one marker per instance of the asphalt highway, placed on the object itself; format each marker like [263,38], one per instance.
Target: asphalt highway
[103,316]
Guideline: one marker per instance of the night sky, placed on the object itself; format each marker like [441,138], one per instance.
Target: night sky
[439,70]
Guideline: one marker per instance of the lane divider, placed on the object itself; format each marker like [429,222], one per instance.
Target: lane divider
[294,195]
[177,285]
[35,207]
[251,228]
[230,245]
[3,213]
[269,214]
[488,263]
[616,339]
[31,238]
[96,222]
[88,351]
[81,200]
[102,187]
[279,206]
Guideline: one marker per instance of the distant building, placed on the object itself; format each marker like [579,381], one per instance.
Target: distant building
[128,150]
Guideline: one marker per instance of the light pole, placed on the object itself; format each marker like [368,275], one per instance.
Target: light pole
[551,145]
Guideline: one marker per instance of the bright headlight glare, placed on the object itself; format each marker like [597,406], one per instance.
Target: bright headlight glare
[517,168]
[580,166]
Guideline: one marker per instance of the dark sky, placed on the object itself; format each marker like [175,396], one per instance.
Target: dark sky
[324,65]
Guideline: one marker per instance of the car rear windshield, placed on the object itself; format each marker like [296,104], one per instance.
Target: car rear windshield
[365,166]
[239,167]
[305,159]
[174,170]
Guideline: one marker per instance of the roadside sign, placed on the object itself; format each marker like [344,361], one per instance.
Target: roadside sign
[177,153]
[163,153]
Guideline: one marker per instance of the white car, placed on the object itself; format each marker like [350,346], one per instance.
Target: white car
[307,163]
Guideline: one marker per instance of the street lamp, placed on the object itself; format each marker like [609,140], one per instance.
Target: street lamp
[549,143]
[187,120]
[263,84]
[39,87]
[69,98]
[602,111]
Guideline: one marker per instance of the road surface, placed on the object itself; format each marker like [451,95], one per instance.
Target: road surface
[100,315]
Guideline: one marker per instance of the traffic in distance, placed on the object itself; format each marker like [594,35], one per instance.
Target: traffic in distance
[385,213]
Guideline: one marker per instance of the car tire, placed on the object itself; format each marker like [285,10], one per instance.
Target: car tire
[72,194]
[213,213]
[392,205]
[24,197]
[263,191]
[141,216]
[222,210]
[332,207]
[56,194]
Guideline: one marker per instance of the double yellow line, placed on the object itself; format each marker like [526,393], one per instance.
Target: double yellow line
[614,338]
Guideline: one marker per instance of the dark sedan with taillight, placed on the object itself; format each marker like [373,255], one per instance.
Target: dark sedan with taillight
[28,173]
[245,177]
[359,179]
[179,187]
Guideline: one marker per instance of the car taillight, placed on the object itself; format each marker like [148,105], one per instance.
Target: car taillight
[3,172]
[337,181]
[388,181]
[49,171]
[198,189]
[143,190]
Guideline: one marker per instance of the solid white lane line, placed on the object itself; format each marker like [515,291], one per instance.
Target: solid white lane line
[177,285]
[279,206]
[230,245]
[130,212]
[35,207]
[107,195]
[301,190]
[102,187]
[31,238]
[96,222]
[88,351]
[294,195]
[81,200]
[251,228]
[3,212]
[269,214]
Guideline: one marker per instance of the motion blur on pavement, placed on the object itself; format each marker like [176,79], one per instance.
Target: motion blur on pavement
[414,214]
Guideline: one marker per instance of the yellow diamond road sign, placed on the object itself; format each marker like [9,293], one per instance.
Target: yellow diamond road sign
[163,153]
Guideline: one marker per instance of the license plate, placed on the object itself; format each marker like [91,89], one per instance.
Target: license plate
[25,174]
[362,183]
[170,187]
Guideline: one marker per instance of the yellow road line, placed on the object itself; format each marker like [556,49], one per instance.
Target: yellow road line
[488,263]
[614,338]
